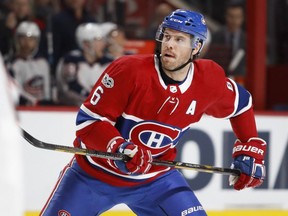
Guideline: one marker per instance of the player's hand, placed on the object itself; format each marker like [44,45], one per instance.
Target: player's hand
[249,158]
[140,162]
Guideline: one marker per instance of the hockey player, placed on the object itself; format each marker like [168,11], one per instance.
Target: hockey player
[78,71]
[141,106]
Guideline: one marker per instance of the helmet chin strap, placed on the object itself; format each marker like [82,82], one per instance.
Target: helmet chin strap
[181,66]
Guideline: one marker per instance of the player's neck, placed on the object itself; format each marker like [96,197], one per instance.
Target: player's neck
[178,75]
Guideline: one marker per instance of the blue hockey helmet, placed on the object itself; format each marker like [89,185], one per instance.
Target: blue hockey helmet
[186,21]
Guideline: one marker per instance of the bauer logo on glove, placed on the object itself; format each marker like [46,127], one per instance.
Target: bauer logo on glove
[245,148]
[249,158]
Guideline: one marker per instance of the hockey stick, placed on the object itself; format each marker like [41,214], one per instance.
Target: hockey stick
[118,156]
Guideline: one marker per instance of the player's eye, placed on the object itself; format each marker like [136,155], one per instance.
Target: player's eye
[166,37]
[180,39]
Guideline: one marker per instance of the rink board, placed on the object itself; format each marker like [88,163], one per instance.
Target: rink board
[206,143]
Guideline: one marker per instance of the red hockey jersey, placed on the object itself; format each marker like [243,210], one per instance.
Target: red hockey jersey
[131,101]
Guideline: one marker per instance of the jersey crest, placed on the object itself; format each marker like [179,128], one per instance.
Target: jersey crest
[155,136]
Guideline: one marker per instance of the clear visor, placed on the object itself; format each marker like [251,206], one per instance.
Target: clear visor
[180,39]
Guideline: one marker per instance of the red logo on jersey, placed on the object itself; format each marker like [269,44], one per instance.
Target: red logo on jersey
[63,213]
[157,137]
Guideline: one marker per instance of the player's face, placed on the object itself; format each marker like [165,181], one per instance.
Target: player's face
[176,49]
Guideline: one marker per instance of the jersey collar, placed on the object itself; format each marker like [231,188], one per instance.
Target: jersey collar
[184,85]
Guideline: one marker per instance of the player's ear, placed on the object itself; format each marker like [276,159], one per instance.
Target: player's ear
[196,50]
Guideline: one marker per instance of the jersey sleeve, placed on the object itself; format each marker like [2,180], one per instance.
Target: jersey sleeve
[106,102]
[234,102]
[231,99]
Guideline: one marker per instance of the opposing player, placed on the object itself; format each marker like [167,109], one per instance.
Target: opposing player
[141,106]
[78,71]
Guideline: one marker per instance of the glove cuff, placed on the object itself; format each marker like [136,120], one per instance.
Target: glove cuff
[114,144]
[255,147]
[128,148]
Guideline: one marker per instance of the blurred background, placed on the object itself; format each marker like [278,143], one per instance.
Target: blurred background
[46,50]
[257,57]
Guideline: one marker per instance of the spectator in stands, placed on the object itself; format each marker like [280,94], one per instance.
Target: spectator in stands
[4,8]
[116,40]
[19,10]
[30,71]
[80,69]
[43,11]
[64,25]
[161,11]
[233,37]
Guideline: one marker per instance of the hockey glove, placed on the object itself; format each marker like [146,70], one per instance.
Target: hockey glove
[249,158]
[140,162]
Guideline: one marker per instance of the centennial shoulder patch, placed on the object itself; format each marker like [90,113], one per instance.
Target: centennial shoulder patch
[107,81]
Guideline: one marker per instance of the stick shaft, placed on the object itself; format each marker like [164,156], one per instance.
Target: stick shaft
[198,167]
[118,156]
[80,151]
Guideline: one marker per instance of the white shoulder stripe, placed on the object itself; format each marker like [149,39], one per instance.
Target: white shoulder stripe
[95,115]
[84,124]
[131,117]
[237,101]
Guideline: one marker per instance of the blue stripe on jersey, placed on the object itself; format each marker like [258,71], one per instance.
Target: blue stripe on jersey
[162,135]
[244,97]
[82,117]
[124,126]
